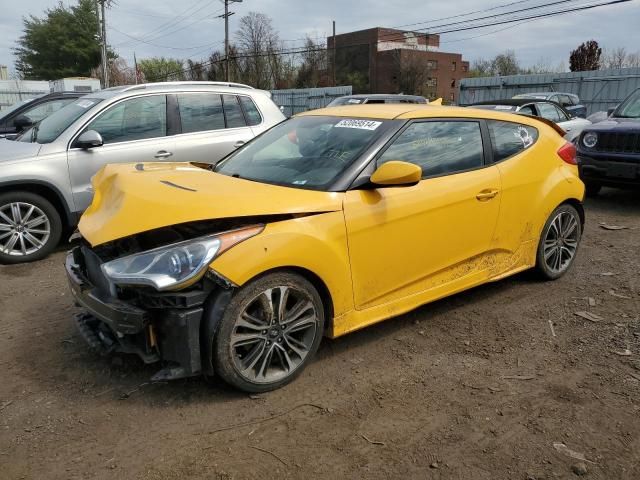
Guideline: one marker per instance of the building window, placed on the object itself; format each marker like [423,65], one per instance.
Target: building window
[432,82]
[432,64]
[465,68]
[453,66]
[453,83]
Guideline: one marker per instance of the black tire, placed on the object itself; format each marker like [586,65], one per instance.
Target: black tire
[543,268]
[592,189]
[53,223]
[226,358]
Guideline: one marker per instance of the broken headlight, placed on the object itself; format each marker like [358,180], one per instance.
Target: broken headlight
[174,266]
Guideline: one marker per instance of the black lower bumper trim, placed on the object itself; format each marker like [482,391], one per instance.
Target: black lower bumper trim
[168,335]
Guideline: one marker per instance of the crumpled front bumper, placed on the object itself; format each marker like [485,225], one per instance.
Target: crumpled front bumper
[108,324]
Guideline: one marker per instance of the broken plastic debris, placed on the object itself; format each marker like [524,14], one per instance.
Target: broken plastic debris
[592,317]
[562,448]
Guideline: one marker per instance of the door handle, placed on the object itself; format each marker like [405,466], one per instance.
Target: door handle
[163,154]
[239,143]
[487,194]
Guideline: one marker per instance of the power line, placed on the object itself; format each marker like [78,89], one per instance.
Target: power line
[175,21]
[160,46]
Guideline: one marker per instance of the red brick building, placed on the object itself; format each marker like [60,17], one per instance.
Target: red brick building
[385,60]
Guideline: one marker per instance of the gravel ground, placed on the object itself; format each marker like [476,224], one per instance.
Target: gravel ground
[501,382]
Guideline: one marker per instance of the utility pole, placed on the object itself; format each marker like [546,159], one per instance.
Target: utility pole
[334,53]
[226,16]
[102,31]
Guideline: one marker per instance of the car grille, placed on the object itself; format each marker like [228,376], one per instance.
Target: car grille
[618,142]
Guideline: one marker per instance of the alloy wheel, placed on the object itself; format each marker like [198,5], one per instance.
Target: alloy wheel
[274,334]
[561,242]
[24,228]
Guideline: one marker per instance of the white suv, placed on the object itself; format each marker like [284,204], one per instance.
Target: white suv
[45,176]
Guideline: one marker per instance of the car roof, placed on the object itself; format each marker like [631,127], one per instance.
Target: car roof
[517,102]
[392,111]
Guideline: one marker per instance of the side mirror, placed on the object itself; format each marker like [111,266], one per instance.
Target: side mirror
[22,122]
[396,172]
[89,139]
[611,110]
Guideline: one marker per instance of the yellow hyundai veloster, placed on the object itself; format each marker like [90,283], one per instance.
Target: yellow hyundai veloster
[331,221]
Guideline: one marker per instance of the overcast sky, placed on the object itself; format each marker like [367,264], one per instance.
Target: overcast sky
[170,34]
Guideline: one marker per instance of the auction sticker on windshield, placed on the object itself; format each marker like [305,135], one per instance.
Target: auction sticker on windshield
[361,124]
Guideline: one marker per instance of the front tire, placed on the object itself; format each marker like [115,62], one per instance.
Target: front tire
[559,242]
[30,227]
[269,332]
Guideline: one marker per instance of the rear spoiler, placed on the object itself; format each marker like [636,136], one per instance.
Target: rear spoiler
[546,122]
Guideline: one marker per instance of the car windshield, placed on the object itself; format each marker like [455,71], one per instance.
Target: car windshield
[307,152]
[52,126]
[14,107]
[630,108]
[346,101]
[531,95]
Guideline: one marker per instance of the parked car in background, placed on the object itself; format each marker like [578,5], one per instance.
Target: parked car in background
[609,151]
[22,115]
[376,98]
[45,175]
[334,220]
[569,101]
[539,108]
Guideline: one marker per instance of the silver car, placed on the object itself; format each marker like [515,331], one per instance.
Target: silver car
[45,177]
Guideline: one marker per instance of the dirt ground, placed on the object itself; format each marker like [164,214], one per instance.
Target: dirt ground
[476,386]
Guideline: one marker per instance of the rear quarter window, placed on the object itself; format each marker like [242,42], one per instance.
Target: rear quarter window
[509,138]
[251,111]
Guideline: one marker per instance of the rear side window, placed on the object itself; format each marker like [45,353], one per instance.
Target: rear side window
[200,112]
[509,138]
[548,111]
[250,111]
[438,147]
[233,112]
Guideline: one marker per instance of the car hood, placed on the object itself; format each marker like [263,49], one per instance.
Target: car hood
[11,150]
[135,198]
[618,124]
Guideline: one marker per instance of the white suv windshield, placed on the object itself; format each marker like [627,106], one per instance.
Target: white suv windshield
[630,108]
[51,127]
[304,152]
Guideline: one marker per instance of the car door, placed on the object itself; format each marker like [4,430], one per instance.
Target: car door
[213,125]
[523,174]
[133,130]
[410,239]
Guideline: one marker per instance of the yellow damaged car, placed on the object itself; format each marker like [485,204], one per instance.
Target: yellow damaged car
[331,221]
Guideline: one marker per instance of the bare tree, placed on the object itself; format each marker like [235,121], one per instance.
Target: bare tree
[256,42]
[414,72]
[312,71]
[120,73]
[616,58]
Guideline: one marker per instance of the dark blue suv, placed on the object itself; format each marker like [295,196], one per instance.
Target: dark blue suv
[609,151]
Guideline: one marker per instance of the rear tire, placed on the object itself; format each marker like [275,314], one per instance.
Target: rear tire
[30,227]
[592,189]
[264,343]
[559,242]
